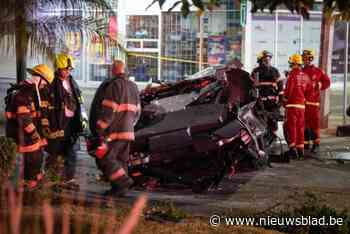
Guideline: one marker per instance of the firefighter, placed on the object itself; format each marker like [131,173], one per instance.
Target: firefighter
[67,117]
[298,85]
[114,112]
[27,106]
[270,85]
[319,81]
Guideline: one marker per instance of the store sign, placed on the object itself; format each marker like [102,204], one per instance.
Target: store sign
[97,50]
[217,49]
[243,12]
[113,28]
[74,43]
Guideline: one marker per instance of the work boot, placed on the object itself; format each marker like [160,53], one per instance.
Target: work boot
[301,154]
[306,146]
[285,157]
[291,154]
[315,148]
[70,184]
[120,186]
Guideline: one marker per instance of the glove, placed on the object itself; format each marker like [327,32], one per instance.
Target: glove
[101,150]
[35,136]
[84,124]
[96,146]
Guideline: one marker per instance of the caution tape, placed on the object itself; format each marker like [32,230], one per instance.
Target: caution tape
[167,58]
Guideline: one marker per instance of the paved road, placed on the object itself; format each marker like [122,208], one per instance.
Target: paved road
[257,190]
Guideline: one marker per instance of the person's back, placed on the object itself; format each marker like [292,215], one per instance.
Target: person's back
[320,81]
[28,109]
[297,86]
[114,112]
[125,96]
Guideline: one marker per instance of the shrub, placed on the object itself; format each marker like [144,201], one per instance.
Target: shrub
[8,154]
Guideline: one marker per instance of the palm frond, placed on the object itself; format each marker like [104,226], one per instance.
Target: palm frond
[48,22]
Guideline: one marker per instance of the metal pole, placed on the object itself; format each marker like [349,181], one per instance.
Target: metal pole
[159,45]
[21,41]
[346,62]
[276,40]
[201,32]
[301,35]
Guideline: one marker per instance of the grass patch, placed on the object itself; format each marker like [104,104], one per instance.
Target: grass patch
[302,208]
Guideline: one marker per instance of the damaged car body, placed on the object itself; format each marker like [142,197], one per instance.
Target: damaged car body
[200,142]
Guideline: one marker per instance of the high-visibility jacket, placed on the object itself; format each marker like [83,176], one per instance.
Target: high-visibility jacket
[30,114]
[61,126]
[115,109]
[319,81]
[268,78]
[298,85]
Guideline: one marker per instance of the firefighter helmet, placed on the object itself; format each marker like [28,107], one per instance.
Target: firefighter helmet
[64,61]
[43,71]
[263,54]
[295,59]
[308,54]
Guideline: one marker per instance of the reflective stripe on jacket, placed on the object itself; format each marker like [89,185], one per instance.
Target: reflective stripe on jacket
[29,118]
[114,109]
[298,84]
[319,81]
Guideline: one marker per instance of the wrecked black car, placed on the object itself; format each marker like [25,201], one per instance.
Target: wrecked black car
[198,142]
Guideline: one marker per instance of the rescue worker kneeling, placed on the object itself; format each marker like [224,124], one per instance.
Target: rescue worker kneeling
[298,84]
[114,112]
[27,107]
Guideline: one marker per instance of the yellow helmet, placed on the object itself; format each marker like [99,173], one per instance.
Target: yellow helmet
[43,71]
[263,54]
[309,54]
[64,61]
[295,59]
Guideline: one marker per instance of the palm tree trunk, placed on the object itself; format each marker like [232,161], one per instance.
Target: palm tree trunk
[326,49]
[21,41]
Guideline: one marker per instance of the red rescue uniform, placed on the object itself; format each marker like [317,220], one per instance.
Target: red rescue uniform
[319,81]
[298,84]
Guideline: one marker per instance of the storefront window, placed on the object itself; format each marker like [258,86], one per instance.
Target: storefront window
[99,72]
[133,44]
[102,51]
[143,68]
[224,35]
[338,73]
[311,35]
[263,35]
[179,41]
[293,35]
[74,47]
[150,44]
[142,27]
[288,39]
